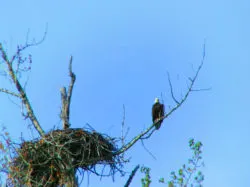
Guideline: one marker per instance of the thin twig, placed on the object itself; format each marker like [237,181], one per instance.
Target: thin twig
[123,124]
[9,92]
[171,90]
[151,154]
[22,48]
[201,89]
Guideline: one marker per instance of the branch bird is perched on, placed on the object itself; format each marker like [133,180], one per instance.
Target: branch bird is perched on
[158,112]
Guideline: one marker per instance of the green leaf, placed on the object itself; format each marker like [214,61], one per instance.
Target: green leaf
[170,184]
[180,172]
[161,180]
[198,145]
[180,180]
[191,142]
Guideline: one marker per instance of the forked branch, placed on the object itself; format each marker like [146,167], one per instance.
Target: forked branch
[66,98]
[22,94]
[149,131]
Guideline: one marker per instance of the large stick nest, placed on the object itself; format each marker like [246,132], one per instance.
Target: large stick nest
[48,161]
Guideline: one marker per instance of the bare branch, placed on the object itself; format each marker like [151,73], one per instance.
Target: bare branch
[178,105]
[9,92]
[63,112]
[149,135]
[131,176]
[151,154]
[171,89]
[190,86]
[66,98]
[70,89]
[123,124]
[201,89]
[21,91]
[135,139]
[22,48]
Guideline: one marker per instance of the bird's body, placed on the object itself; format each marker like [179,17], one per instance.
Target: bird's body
[158,112]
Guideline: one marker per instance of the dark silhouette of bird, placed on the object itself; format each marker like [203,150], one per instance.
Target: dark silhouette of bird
[158,112]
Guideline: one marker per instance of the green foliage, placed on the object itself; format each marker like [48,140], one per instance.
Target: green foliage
[162,180]
[147,179]
[187,175]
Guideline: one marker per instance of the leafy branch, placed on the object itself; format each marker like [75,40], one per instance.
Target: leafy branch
[186,173]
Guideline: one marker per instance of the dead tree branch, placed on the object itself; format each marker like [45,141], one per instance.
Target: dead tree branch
[66,97]
[171,90]
[145,133]
[20,89]
[123,124]
[131,176]
[27,45]
[9,92]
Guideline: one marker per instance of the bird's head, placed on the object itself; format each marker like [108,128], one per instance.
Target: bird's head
[157,100]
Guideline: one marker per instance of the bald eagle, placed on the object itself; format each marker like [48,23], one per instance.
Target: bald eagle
[158,111]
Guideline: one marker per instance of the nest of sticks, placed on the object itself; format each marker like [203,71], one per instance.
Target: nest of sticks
[48,161]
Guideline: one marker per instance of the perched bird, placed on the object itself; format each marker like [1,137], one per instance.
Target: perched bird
[158,111]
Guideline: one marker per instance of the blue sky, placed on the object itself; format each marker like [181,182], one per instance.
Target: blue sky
[122,52]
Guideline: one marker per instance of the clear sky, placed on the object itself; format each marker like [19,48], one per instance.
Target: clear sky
[122,52]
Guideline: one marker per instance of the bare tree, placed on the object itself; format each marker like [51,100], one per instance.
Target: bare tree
[54,157]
